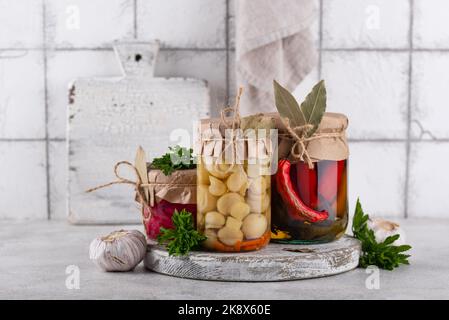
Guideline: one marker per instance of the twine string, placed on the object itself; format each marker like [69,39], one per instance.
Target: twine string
[300,135]
[236,123]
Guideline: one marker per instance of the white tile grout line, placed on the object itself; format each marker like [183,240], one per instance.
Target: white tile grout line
[409,110]
[47,142]
[324,49]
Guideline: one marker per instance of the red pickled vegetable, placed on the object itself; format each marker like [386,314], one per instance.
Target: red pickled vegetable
[297,209]
[306,181]
[161,216]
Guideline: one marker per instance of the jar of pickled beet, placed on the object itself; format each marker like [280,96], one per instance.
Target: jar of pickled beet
[166,194]
[309,195]
[234,190]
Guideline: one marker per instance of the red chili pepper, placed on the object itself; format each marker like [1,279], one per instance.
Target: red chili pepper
[307,181]
[285,188]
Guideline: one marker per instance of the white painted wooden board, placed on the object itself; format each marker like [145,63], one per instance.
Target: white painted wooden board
[108,119]
[272,263]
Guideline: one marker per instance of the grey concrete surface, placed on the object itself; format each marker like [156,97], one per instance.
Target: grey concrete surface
[34,257]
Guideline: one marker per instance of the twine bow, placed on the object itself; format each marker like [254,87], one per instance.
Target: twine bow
[120,180]
[300,135]
[139,185]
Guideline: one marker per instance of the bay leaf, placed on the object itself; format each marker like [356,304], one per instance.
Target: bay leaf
[141,165]
[287,105]
[314,106]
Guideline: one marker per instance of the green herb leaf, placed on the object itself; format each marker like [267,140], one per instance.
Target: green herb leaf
[176,159]
[384,255]
[183,238]
[314,106]
[288,106]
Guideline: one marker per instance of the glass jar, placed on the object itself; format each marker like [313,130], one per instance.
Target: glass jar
[324,189]
[160,215]
[233,205]
[309,198]
[166,194]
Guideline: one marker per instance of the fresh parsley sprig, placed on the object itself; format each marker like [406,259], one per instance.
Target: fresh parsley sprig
[385,255]
[176,159]
[183,238]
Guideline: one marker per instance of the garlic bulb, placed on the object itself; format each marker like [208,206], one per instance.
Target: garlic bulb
[384,228]
[118,251]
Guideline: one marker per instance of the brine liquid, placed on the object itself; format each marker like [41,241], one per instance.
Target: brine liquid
[322,188]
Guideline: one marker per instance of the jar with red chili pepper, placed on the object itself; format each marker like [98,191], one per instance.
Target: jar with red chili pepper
[309,195]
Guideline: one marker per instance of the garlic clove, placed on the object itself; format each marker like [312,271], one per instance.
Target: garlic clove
[214,220]
[239,210]
[205,201]
[258,203]
[236,180]
[217,187]
[257,185]
[202,175]
[233,223]
[383,229]
[225,202]
[254,226]
[230,236]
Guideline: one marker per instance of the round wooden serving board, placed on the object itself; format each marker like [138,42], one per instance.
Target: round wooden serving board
[276,262]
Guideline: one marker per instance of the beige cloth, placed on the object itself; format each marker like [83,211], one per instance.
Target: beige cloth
[273,41]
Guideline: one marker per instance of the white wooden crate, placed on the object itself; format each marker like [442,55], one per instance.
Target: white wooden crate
[110,117]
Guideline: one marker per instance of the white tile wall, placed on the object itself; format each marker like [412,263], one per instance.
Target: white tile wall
[431,24]
[360,85]
[387,74]
[87,23]
[429,178]
[430,92]
[366,23]
[20,24]
[200,24]
[22,94]
[83,63]
[377,176]
[23,185]
[208,65]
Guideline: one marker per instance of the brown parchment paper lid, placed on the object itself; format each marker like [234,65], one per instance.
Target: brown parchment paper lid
[212,141]
[179,187]
[323,147]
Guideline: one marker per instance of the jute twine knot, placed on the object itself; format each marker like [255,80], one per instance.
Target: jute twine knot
[300,134]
